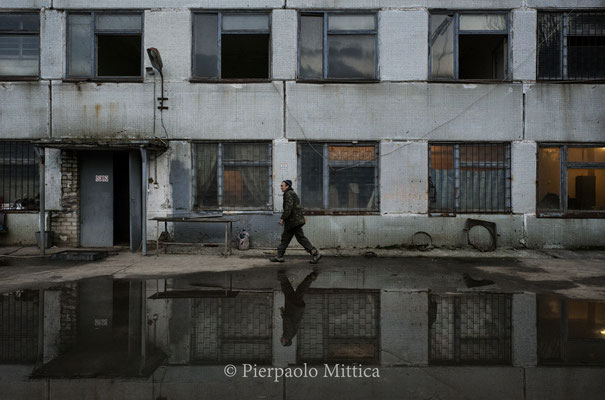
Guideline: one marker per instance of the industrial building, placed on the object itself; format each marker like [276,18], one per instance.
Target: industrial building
[391,117]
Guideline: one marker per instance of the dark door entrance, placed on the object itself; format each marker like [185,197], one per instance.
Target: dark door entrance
[110,199]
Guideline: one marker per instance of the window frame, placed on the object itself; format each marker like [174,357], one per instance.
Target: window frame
[19,162]
[508,75]
[563,211]
[563,48]
[457,187]
[94,53]
[220,13]
[326,178]
[220,176]
[24,33]
[326,32]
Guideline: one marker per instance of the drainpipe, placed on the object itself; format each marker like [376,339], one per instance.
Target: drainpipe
[144,201]
[40,151]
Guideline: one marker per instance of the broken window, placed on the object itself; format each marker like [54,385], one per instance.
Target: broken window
[339,327]
[571,45]
[571,179]
[570,331]
[103,45]
[19,45]
[231,46]
[19,176]
[469,46]
[337,46]
[233,175]
[338,176]
[470,329]
[469,178]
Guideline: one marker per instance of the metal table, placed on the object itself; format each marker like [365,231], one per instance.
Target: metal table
[210,220]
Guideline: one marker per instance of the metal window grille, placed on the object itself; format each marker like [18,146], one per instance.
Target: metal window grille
[232,329]
[338,46]
[339,327]
[19,44]
[571,46]
[338,177]
[19,327]
[233,175]
[474,328]
[19,176]
[571,179]
[469,178]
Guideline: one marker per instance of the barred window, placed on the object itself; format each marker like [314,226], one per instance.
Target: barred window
[338,46]
[338,176]
[19,327]
[469,178]
[19,176]
[470,329]
[232,175]
[571,46]
[339,327]
[232,329]
[19,45]
[231,45]
[571,179]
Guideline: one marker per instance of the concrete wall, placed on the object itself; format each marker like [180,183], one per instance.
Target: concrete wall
[22,227]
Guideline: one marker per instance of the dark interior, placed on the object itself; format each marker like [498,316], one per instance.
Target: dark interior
[121,200]
[119,55]
[482,56]
[245,56]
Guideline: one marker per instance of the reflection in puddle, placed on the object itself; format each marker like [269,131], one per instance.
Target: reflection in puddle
[102,327]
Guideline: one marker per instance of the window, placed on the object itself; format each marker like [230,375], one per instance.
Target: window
[571,46]
[234,329]
[19,176]
[19,45]
[231,46]
[571,179]
[339,327]
[338,46]
[104,45]
[570,331]
[469,178]
[19,321]
[338,176]
[233,175]
[470,329]
[468,46]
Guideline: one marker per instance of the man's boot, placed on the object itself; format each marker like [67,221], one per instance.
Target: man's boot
[277,258]
[315,256]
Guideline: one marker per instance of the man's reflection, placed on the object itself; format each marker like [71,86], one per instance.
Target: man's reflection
[294,309]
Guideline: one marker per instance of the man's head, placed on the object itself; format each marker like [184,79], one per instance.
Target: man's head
[286,342]
[285,185]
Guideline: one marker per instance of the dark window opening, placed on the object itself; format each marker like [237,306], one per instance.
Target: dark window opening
[121,199]
[245,56]
[119,55]
[482,56]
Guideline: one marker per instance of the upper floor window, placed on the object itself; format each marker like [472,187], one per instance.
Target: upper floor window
[469,46]
[232,175]
[19,45]
[104,45]
[231,45]
[338,46]
[19,176]
[338,176]
[571,46]
[571,179]
[469,178]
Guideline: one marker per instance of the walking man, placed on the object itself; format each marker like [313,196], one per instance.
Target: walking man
[293,220]
[293,312]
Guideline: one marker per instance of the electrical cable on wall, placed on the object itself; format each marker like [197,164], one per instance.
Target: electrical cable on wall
[156,62]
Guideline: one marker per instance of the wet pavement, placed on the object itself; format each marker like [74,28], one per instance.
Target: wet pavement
[384,324]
